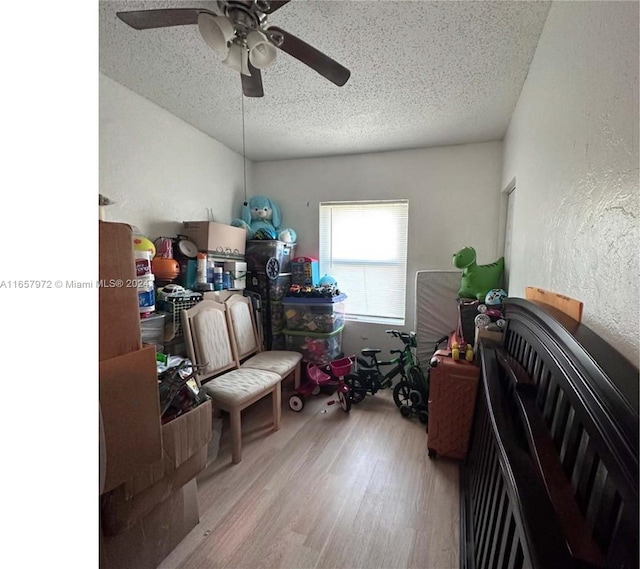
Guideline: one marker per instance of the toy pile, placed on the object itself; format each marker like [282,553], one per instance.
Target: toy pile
[491,317]
[315,319]
[321,291]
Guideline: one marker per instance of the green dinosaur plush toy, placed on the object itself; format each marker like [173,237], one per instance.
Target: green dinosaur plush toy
[477,280]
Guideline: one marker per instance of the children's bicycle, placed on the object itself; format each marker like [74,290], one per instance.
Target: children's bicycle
[368,377]
[316,378]
[411,394]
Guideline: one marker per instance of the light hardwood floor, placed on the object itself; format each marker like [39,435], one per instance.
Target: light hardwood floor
[329,490]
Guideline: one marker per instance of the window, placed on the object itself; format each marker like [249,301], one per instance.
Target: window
[363,245]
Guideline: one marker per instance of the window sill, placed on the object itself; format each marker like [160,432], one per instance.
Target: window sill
[375,320]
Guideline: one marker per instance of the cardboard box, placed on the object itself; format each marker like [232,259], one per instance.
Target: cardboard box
[154,535]
[185,445]
[485,335]
[216,238]
[118,311]
[130,408]
[182,438]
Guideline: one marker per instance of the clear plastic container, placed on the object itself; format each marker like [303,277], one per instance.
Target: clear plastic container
[323,315]
[316,348]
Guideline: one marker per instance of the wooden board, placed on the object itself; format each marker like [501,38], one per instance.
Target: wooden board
[570,306]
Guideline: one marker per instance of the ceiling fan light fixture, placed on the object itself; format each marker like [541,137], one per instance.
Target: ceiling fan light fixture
[216,31]
[237,59]
[262,53]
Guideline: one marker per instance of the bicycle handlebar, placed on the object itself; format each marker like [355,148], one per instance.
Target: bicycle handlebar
[398,334]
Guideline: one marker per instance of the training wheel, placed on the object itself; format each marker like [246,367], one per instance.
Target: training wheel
[415,397]
[296,402]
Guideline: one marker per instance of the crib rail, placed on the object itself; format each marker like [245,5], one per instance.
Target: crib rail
[551,478]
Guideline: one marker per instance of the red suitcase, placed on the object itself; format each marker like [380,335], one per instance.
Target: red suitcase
[452,395]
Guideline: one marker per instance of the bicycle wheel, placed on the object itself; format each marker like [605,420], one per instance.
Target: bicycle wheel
[357,391]
[402,394]
[345,401]
[417,377]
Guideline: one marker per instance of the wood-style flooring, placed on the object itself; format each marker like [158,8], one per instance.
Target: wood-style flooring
[329,490]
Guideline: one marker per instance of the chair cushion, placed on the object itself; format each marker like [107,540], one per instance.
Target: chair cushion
[235,387]
[281,362]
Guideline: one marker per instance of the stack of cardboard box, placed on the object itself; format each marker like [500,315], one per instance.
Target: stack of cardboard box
[148,500]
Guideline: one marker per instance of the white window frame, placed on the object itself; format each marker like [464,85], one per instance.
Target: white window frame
[375,278]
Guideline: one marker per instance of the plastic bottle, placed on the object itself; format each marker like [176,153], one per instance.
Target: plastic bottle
[217,278]
[469,353]
[201,268]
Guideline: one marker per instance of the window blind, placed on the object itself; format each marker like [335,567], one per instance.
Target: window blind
[363,245]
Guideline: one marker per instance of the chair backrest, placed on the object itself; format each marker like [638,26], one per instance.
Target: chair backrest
[242,326]
[218,295]
[207,338]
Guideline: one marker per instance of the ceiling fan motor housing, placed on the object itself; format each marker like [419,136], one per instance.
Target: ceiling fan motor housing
[246,16]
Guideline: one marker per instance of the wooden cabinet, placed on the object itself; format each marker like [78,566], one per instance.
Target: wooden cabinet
[452,394]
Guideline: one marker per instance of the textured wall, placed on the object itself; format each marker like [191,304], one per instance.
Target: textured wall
[160,170]
[572,146]
[453,201]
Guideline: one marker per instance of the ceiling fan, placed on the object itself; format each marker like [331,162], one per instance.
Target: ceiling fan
[240,29]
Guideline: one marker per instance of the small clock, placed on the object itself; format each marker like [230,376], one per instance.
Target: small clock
[188,248]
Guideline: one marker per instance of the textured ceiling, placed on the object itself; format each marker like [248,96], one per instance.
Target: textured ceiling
[423,74]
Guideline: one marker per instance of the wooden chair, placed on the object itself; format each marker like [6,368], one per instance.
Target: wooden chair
[246,344]
[208,341]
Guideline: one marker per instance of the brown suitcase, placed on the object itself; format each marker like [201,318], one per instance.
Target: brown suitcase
[452,395]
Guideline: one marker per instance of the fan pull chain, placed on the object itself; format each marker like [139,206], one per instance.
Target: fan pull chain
[244,155]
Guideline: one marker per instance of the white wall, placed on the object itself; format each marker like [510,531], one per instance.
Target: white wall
[572,146]
[453,195]
[160,170]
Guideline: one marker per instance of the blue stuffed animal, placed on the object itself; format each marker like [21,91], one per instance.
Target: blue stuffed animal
[261,218]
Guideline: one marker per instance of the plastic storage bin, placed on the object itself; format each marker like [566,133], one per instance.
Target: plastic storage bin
[152,330]
[315,348]
[322,315]
[173,305]
[269,289]
[259,251]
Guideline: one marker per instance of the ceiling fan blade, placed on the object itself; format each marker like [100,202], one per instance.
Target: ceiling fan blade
[273,5]
[252,84]
[149,19]
[310,56]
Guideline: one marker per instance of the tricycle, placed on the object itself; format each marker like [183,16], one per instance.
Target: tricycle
[318,377]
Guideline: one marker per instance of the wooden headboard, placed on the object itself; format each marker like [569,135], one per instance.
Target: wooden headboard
[551,476]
